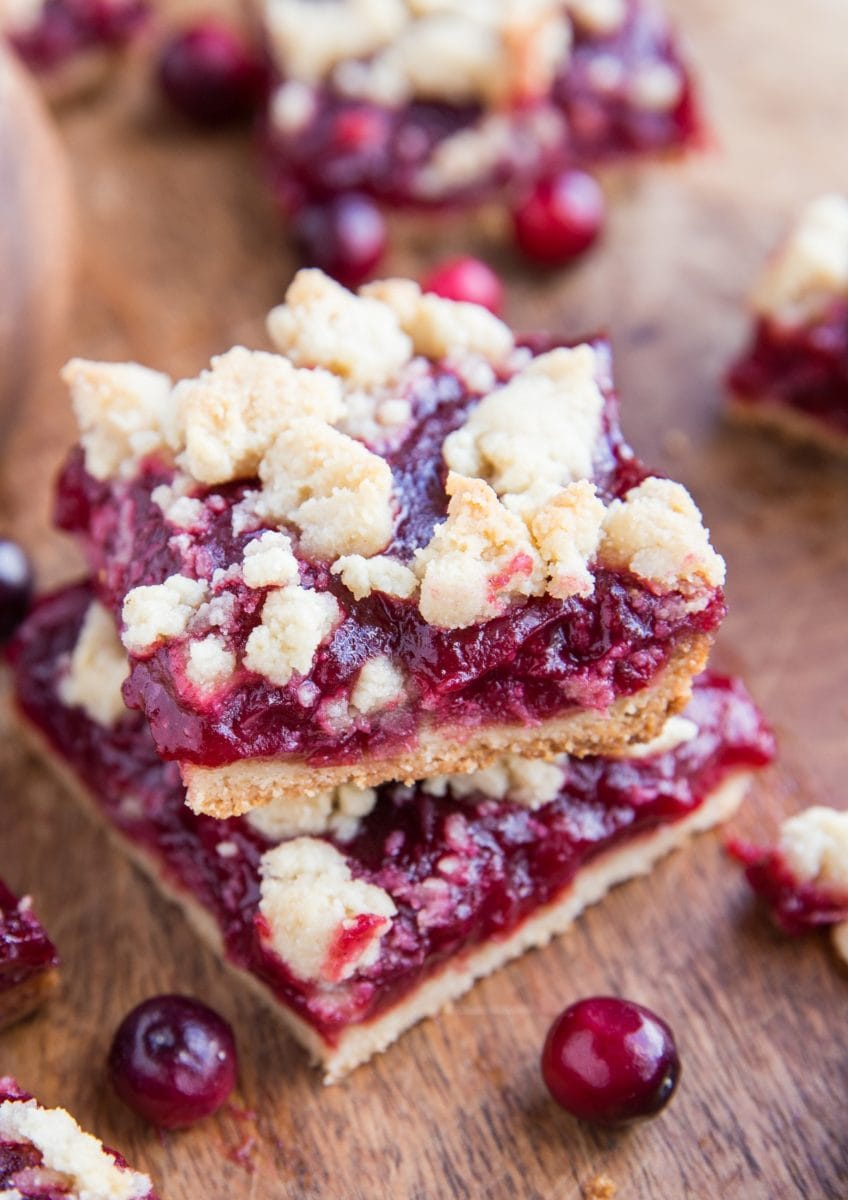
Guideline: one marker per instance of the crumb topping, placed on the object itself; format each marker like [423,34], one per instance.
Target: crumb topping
[477,560]
[232,413]
[379,685]
[124,413]
[295,621]
[535,434]
[567,533]
[337,811]
[18,15]
[310,42]
[331,487]
[269,561]
[210,663]
[65,1148]
[598,17]
[657,533]
[810,269]
[362,576]
[323,923]
[178,506]
[677,731]
[530,782]
[160,611]
[814,845]
[440,328]
[322,324]
[98,667]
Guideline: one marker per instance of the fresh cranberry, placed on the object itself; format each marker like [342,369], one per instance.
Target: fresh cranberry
[467,279]
[211,74]
[15,587]
[610,1061]
[345,237]
[173,1061]
[561,218]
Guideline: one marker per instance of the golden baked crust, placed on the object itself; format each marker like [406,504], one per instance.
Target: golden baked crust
[236,788]
[789,423]
[21,1001]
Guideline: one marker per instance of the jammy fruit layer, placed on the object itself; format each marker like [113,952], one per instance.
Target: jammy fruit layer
[28,959]
[464,101]
[44,1155]
[360,914]
[403,545]
[793,374]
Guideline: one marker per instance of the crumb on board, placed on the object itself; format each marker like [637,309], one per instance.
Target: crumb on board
[601,1187]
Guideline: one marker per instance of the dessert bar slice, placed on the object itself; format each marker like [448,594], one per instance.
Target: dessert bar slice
[361,911]
[70,43]
[464,101]
[28,959]
[793,375]
[404,545]
[44,1155]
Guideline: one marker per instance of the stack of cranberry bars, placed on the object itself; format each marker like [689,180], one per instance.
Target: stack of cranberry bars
[383,666]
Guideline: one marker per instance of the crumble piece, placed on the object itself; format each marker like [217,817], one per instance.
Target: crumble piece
[210,663]
[124,412]
[440,328]
[160,610]
[232,412]
[814,845]
[97,669]
[321,921]
[337,810]
[567,533]
[362,576]
[380,684]
[334,489]
[529,782]
[600,1188]
[177,504]
[598,17]
[65,1148]
[269,561]
[295,621]
[811,267]
[321,324]
[657,533]
[536,433]
[477,560]
[20,14]
[656,87]
[311,42]
[293,105]
[676,732]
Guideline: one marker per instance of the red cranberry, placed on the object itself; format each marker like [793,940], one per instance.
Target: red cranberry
[15,587]
[212,75]
[561,218]
[173,1061]
[610,1061]
[467,279]
[345,237]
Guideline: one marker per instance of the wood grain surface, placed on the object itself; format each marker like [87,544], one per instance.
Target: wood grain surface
[181,258]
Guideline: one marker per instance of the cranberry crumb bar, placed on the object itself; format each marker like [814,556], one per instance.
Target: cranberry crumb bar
[401,547]
[69,43]
[28,959]
[793,375]
[359,911]
[465,100]
[44,1155]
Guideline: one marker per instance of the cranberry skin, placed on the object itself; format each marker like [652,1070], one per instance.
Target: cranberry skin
[212,75]
[173,1061]
[15,587]
[346,237]
[561,218]
[467,279]
[610,1061]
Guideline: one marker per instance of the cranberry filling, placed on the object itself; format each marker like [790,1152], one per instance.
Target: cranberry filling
[804,368]
[540,659]
[69,27]
[25,948]
[505,861]
[795,906]
[353,145]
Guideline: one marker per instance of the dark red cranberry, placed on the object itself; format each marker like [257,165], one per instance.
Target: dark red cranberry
[561,218]
[467,279]
[610,1061]
[212,75]
[15,587]
[173,1061]
[346,237]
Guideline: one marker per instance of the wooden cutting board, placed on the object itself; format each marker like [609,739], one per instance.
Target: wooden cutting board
[181,258]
